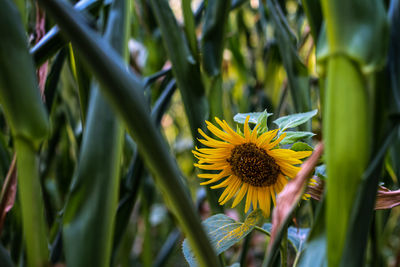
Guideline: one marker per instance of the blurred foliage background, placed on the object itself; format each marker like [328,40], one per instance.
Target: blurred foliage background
[102,112]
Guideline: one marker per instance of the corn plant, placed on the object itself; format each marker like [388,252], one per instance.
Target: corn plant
[200,133]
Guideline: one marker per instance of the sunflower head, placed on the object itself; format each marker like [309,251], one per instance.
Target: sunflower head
[249,164]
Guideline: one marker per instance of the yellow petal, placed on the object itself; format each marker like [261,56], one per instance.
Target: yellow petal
[253,137]
[224,125]
[211,167]
[271,190]
[224,136]
[235,188]
[276,142]
[287,169]
[240,195]
[216,144]
[247,129]
[302,154]
[261,198]
[227,182]
[255,197]
[267,203]
[266,137]
[248,198]
[213,151]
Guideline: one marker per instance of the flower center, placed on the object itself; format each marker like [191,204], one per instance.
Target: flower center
[253,165]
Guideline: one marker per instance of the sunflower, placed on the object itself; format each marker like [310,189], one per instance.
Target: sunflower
[249,164]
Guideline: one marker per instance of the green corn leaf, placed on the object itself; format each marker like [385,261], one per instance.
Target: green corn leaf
[348,32]
[394,57]
[190,27]
[27,117]
[362,214]
[184,66]
[53,41]
[5,258]
[314,253]
[83,79]
[313,10]
[294,120]
[216,17]
[296,236]
[255,117]
[347,124]
[186,70]
[297,73]
[89,214]
[20,98]
[29,192]
[292,137]
[125,93]
[223,233]
[300,146]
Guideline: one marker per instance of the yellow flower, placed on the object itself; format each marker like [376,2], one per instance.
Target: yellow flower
[249,164]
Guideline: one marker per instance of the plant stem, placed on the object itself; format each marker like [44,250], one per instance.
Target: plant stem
[31,203]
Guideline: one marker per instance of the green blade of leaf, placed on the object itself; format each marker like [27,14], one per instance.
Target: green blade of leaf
[296,236]
[5,258]
[216,17]
[186,70]
[297,73]
[223,232]
[20,98]
[362,213]
[294,120]
[53,41]
[255,117]
[300,146]
[88,220]
[184,66]
[292,137]
[314,253]
[190,27]
[27,117]
[313,11]
[125,93]
[348,31]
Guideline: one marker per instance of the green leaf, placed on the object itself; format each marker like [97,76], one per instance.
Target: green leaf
[363,209]
[125,93]
[361,36]
[296,236]
[255,117]
[5,258]
[216,17]
[89,214]
[53,41]
[19,93]
[312,9]
[292,137]
[314,253]
[294,120]
[300,146]
[185,68]
[223,233]
[297,73]
[27,117]
[190,27]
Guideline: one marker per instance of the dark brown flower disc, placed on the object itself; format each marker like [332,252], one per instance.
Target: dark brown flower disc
[253,165]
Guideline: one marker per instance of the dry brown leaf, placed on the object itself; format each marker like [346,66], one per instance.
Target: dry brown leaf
[385,198]
[8,192]
[289,197]
[317,189]
[40,30]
